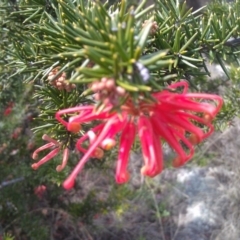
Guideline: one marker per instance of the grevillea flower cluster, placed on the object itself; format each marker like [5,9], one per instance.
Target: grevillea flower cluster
[55,148]
[174,116]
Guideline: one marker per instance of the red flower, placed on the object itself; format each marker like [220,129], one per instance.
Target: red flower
[55,147]
[179,118]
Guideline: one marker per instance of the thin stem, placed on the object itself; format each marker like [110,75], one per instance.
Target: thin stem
[157,209]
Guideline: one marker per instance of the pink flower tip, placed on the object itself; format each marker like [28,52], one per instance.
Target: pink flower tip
[122,178]
[146,171]
[69,184]
[45,137]
[74,127]
[194,139]
[34,156]
[178,161]
[35,166]
[59,168]
[208,118]
[108,144]
[98,153]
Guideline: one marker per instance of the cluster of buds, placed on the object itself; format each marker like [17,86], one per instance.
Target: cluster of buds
[60,81]
[181,119]
[106,91]
[154,26]
[55,147]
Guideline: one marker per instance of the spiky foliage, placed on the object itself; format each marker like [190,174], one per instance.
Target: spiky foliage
[89,41]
